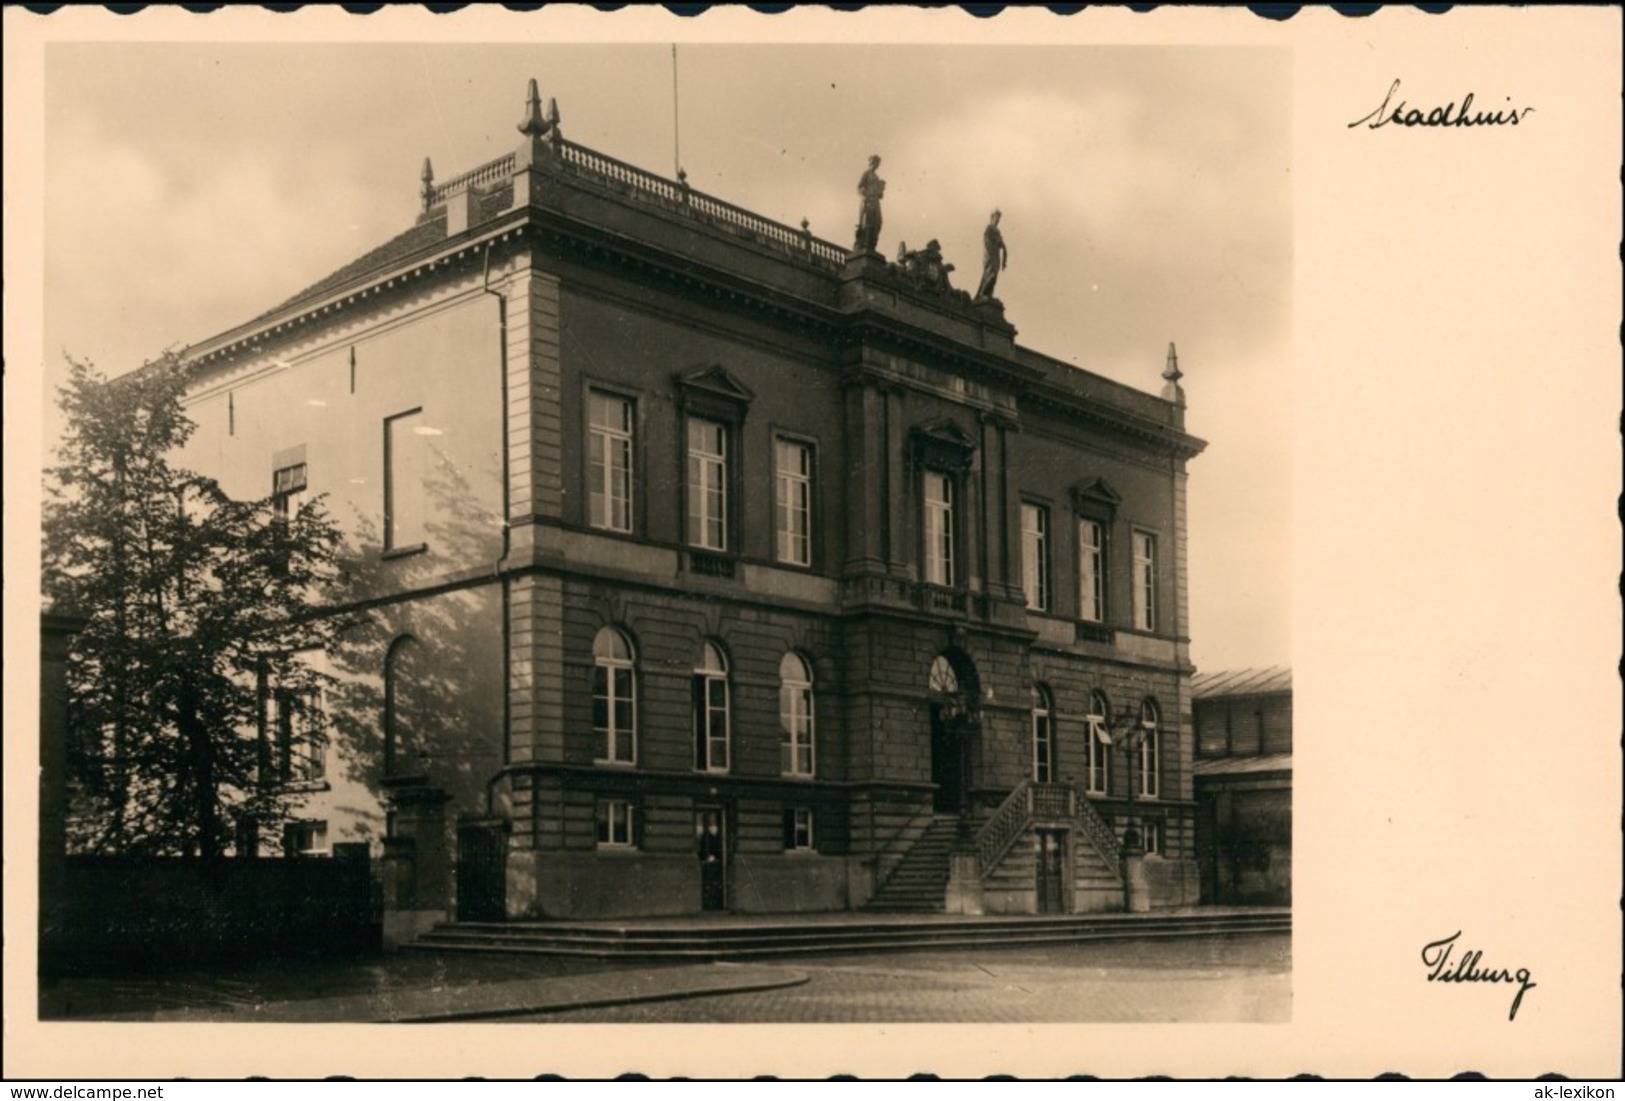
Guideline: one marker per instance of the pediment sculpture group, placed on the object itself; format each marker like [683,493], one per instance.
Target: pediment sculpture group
[926,266]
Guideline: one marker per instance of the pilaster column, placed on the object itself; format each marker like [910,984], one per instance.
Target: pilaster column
[1013,584]
[866,461]
[900,538]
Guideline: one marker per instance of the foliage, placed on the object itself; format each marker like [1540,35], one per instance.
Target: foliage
[193,602]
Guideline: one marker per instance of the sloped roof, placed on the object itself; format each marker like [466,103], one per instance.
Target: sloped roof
[1243,766]
[1242,682]
[421,237]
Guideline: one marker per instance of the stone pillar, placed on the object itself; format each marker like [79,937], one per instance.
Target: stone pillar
[1136,892]
[964,885]
[400,890]
[417,866]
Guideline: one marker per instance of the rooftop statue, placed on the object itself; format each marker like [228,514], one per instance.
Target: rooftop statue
[872,188]
[926,266]
[995,257]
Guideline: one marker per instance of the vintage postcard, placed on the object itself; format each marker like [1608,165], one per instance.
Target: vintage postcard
[1039,545]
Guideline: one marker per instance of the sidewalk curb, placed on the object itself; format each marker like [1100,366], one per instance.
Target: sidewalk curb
[790,978]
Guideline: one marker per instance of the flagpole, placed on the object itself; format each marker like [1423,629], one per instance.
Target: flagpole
[676,145]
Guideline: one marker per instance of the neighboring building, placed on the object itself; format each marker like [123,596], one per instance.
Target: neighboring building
[711,566]
[1244,785]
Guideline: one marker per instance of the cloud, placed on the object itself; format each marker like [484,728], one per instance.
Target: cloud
[145,254]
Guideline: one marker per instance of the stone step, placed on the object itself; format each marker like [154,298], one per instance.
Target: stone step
[737,941]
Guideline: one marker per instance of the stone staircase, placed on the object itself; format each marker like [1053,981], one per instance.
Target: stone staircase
[1096,884]
[919,884]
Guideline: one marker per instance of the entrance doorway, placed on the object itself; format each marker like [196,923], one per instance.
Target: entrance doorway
[947,760]
[952,684]
[711,847]
[1051,871]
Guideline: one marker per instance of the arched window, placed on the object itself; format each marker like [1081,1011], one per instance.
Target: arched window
[1096,774]
[1043,735]
[795,716]
[943,678]
[405,744]
[711,710]
[1149,749]
[614,698]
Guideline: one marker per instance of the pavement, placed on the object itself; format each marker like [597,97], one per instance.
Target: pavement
[1242,977]
[396,986]
[492,1000]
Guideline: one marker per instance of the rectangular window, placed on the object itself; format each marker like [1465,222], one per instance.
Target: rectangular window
[1091,571]
[287,486]
[710,722]
[1098,738]
[609,474]
[707,484]
[939,528]
[299,735]
[405,467]
[798,829]
[793,501]
[612,712]
[1148,766]
[1145,581]
[305,839]
[796,727]
[615,824]
[1151,836]
[1043,749]
[1035,555]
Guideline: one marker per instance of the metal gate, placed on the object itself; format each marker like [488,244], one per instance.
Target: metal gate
[482,871]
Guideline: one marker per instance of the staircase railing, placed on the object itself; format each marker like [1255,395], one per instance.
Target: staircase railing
[1094,827]
[999,832]
[1055,802]
[1052,802]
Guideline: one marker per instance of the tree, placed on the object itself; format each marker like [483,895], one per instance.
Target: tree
[194,604]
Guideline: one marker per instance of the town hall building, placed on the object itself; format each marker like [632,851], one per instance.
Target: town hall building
[704,564]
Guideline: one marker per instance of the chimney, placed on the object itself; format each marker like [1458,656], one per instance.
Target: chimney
[462,211]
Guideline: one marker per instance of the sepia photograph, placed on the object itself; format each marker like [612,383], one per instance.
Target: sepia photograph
[561,528]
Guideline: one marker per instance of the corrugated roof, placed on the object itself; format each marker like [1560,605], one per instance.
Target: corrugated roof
[1235,766]
[1242,682]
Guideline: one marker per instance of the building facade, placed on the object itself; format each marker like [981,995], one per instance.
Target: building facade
[706,564]
[1244,785]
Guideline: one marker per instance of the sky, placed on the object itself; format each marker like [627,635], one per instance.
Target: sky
[1146,196]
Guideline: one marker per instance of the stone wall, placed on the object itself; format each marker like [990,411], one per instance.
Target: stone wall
[122,913]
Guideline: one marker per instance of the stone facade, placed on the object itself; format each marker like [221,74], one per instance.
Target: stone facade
[577,398]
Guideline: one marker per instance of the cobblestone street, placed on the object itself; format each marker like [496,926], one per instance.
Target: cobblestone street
[1243,978]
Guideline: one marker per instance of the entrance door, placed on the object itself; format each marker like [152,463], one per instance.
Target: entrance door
[482,872]
[1051,871]
[711,846]
[947,763]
